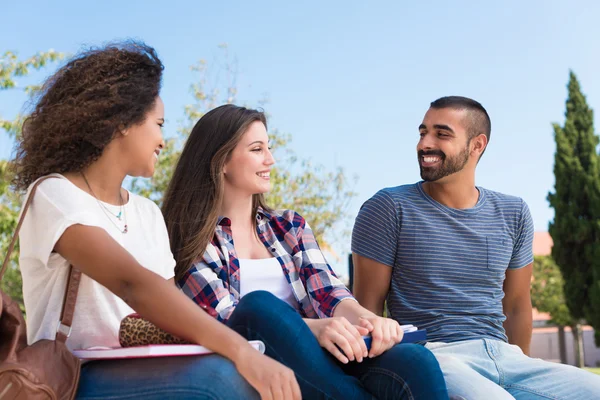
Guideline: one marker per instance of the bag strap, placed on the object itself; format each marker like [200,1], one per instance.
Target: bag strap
[66,316]
[63,331]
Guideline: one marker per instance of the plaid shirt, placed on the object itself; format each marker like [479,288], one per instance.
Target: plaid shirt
[214,279]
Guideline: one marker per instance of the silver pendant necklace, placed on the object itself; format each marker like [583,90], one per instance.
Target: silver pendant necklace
[109,214]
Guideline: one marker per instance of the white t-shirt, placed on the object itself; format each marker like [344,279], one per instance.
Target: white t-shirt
[58,204]
[265,274]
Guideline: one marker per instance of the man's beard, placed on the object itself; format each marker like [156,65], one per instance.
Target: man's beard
[447,166]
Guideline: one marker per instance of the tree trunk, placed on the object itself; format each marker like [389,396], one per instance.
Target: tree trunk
[578,344]
[562,345]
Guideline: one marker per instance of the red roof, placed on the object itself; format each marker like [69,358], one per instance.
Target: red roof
[540,316]
[542,243]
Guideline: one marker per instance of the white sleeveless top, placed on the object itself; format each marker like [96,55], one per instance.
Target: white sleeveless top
[265,274]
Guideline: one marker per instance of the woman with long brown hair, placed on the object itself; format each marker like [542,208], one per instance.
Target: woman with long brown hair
[97,120]
[264,273]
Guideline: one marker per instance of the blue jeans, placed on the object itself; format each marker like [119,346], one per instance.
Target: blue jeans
[491,369]
[209,377]
[407,371]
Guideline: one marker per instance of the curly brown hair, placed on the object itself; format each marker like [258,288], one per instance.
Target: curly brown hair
[80,108]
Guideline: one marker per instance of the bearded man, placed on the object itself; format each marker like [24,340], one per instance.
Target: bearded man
[456,259]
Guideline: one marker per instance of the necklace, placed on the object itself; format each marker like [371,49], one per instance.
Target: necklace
[107,212]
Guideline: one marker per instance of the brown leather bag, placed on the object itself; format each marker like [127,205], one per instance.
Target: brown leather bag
[46,369]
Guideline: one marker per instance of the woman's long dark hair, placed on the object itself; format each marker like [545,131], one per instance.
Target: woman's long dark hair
[193,199]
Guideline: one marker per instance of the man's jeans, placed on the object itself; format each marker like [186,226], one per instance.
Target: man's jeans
[491,369]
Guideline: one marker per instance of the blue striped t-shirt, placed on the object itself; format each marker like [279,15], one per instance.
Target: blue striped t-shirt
[448,264]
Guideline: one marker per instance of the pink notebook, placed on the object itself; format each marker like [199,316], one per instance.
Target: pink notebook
[156,350]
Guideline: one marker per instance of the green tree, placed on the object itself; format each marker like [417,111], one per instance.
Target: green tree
[11,69]
[547,295]
[576,202]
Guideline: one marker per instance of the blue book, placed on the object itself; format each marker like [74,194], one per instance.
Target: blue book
[420,335]
[411,336]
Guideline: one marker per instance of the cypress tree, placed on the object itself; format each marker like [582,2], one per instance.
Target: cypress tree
[576,202]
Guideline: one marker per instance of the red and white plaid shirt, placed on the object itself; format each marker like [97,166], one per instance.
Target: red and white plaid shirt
[214,279]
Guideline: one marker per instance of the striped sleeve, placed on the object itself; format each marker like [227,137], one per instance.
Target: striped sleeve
[375,233]
[523,250]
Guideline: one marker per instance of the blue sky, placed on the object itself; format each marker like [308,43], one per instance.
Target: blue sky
[351,80]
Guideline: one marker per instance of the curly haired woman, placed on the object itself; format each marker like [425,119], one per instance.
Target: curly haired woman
[96,121]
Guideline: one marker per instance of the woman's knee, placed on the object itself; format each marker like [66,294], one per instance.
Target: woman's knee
[412,355]
[257,299]
[198,377]
[218,376]
[262,307]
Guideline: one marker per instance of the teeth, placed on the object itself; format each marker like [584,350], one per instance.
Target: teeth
[264,174]
[430,159]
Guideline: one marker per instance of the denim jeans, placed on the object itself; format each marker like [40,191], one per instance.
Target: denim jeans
[491,369]
[209,377]
[407,371]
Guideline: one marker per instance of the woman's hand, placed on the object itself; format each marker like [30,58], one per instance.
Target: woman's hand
[272,380]
[340,338]
[385,333]
[101,258]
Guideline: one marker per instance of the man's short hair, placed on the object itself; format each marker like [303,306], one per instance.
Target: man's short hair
[478,120]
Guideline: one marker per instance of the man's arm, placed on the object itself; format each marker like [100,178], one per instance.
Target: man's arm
[517,307]
[371,283]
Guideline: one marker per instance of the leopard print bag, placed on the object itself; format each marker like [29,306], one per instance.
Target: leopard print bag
[137,331]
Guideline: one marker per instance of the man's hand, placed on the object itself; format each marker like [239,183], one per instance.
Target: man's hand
[385,333]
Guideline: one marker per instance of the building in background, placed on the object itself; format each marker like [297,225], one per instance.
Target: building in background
[544,341]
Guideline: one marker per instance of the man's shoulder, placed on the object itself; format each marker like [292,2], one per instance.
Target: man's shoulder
[502,199]
[398,194]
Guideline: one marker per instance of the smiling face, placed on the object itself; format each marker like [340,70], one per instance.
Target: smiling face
[141,144]
[444,147]
[247,172]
